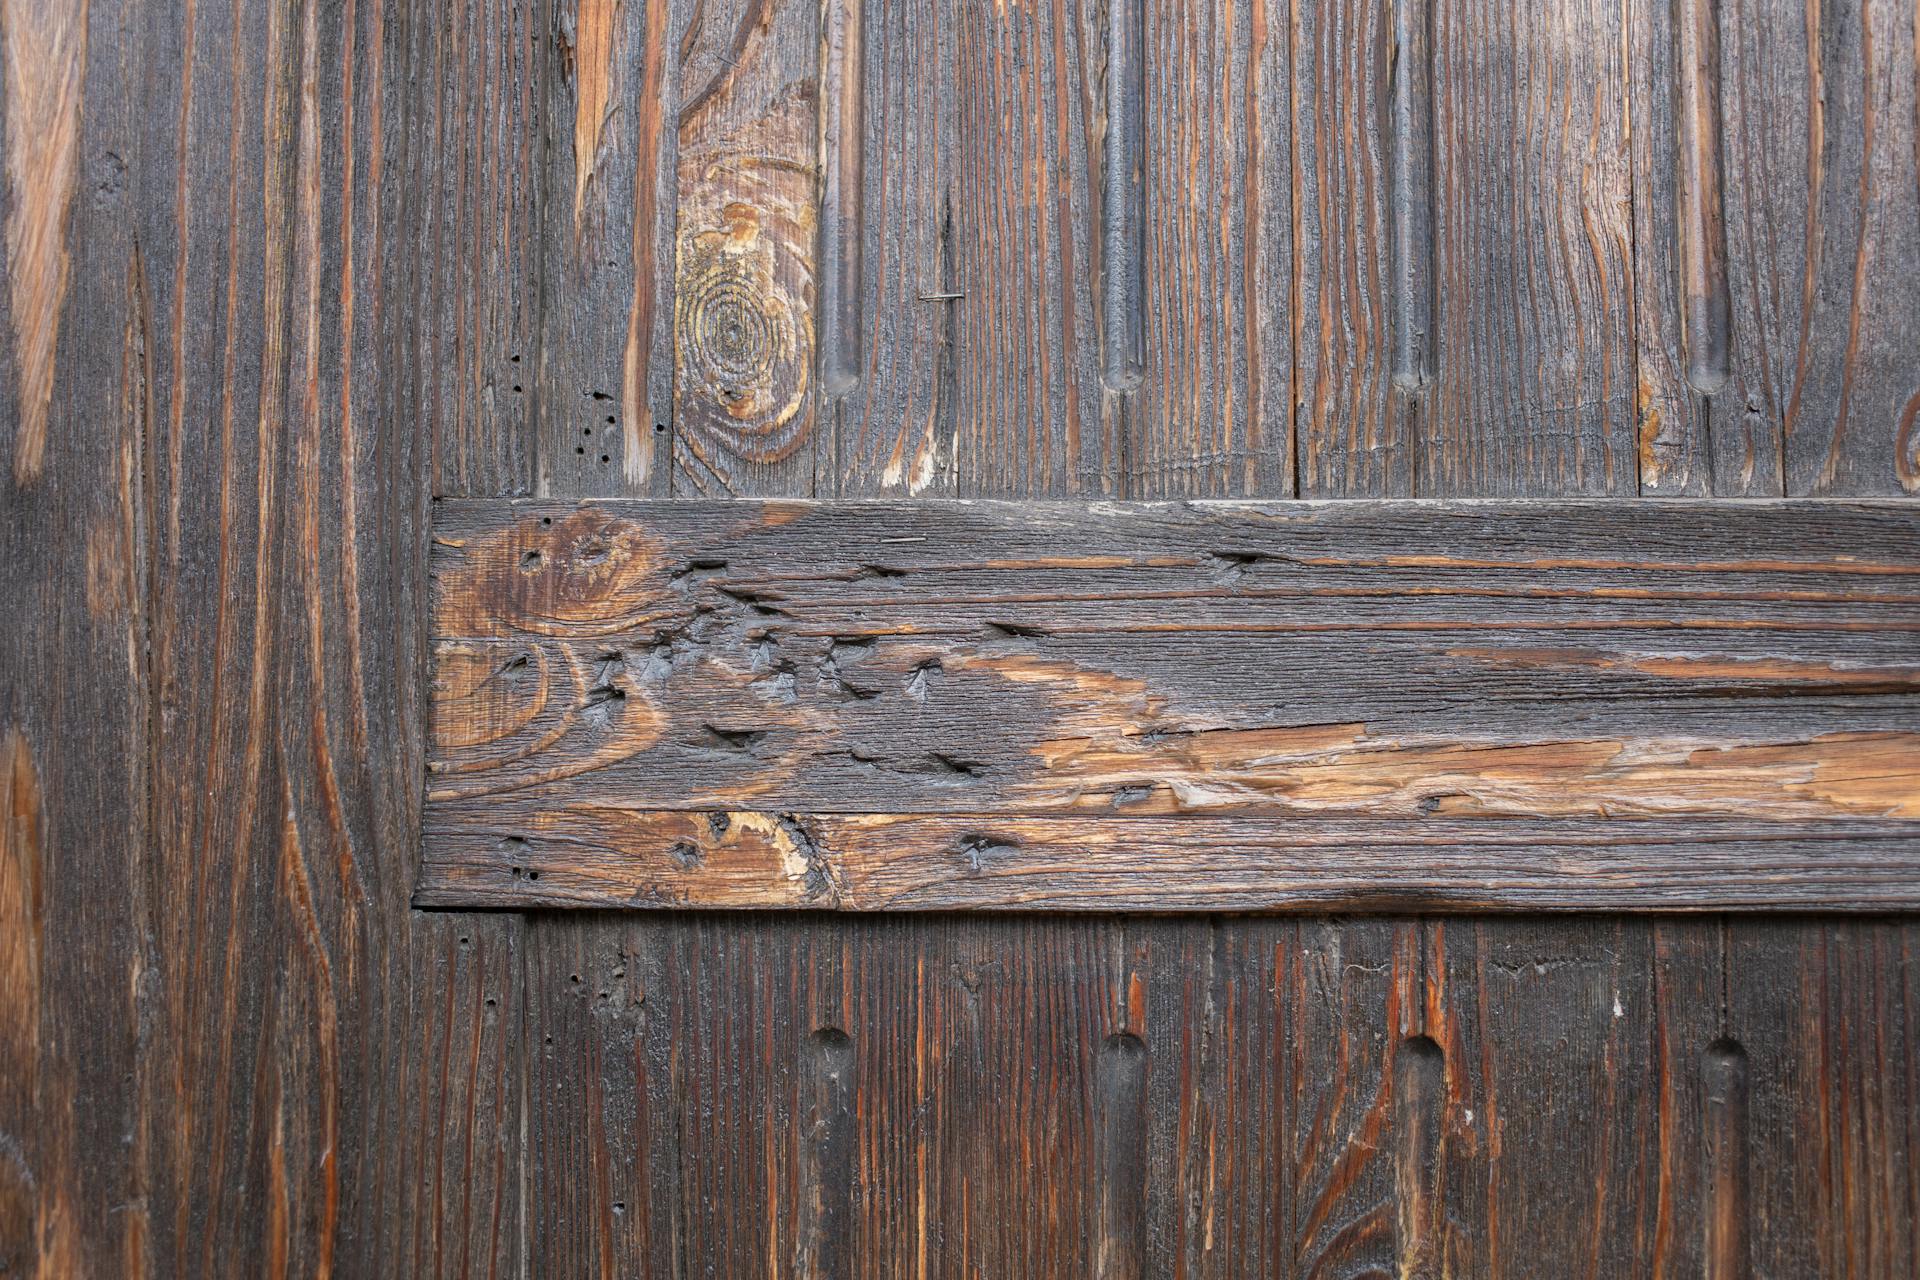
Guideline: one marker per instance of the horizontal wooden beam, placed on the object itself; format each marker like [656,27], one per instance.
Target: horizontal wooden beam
[1175,706]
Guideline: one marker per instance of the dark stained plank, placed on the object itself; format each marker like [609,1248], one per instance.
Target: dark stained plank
[1196,310]
[1550,1126]
[478,102]
[1822,1015]
[739,705]
[1823,226]
[1773,149]
[604,383]
[1674,67]
[889,311]
[684,1085]
[329,1082]
[76,969]
[1533,387]
[1362,190]
[1686,1073]
[1033,111]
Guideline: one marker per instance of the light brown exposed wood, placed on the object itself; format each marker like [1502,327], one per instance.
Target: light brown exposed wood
[45,44]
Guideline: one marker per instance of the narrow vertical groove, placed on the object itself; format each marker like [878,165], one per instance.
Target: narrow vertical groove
[1411,192]
[946,361]
[1123,210]
[1120,1158]
[842,138]
[826,1137]
[1724,1163]
[1708,306]
[1419,1092]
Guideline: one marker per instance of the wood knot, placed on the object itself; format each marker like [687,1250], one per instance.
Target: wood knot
[558,574]
[743,328]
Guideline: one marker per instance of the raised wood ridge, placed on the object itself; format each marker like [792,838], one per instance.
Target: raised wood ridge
[1175,706]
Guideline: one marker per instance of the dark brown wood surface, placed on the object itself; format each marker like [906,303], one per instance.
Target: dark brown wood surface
[275,271]
[238,260]
[882,705]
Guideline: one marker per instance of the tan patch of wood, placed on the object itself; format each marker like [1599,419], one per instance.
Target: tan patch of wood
[22,909]
[540,716]
[1344,769]
[46,54]
[593,93]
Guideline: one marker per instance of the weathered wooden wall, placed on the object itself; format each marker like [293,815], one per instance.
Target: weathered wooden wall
[1373,250]
[277,271]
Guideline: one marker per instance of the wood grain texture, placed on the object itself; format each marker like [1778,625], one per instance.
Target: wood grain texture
[252,1055]
[1201,342]
[604,384]
[1821,197]
[749,705]
[1547,1145]
[1533,389]
[887,232]
[44,48]
[76,969]
[1031,218]
[1675,151]
[479,100]
[1823,1014]
[746,266]
[1362,189]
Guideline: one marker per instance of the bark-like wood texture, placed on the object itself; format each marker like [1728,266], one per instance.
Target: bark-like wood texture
[873,705]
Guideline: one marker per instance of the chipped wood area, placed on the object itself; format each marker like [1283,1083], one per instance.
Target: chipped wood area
[935,705]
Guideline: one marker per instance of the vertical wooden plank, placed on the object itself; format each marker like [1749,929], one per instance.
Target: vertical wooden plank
[333,1080]
[480,98]
[1773,151]
[604,385]
[1823,225]
[1824,1015]
[1035,416]
[1350,996]
[1533,375]
[75,966]
[1275,1048]
[1363,192]
[1207,375]
[1690,1044]
[1548,1149]
[1674,68]
[889,356]
[747,207]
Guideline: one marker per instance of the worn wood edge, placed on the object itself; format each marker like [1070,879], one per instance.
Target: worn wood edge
[867,862]
[466,508]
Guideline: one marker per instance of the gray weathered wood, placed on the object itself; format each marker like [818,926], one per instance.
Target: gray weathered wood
[750,705]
